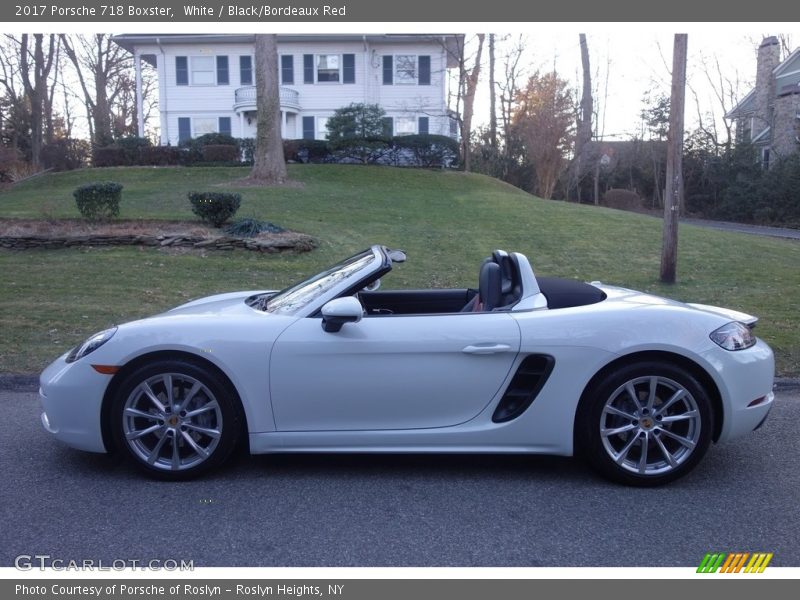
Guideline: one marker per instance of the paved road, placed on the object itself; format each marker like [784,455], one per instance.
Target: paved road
[397,510]
[781,232]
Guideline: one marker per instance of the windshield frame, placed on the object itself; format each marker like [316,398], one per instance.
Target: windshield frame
[309,300]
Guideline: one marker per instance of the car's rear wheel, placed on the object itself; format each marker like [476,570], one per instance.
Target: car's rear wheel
[175,419]
[645,424]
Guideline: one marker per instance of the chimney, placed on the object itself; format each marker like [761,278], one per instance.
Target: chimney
[768,60]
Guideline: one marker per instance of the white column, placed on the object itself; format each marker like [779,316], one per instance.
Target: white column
[283,124]
[137,58]
[241,124]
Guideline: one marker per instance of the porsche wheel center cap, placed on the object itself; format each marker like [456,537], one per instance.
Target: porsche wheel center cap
[646,423]
[173,421]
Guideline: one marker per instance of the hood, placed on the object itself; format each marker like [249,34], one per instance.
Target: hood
[217,305]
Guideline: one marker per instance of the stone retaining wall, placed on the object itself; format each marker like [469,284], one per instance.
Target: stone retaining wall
[299,242]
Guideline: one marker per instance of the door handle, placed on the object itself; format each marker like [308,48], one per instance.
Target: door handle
[486,348]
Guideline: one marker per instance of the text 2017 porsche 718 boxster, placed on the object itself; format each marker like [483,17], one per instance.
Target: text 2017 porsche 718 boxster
[638,385]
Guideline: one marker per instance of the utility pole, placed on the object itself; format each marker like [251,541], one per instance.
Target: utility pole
[673,191]
[492,94]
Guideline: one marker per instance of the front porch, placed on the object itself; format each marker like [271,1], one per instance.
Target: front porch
[244,106]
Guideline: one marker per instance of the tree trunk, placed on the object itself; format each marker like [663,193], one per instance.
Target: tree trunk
[673,190]
[470,86]
[269,165]
[492,96]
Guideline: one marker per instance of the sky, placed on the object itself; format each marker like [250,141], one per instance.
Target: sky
[631,59]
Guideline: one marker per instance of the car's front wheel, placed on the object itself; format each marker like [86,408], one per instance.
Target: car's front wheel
[645,424]
[176,419]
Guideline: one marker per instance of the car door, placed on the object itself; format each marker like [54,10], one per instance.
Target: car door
[390,372]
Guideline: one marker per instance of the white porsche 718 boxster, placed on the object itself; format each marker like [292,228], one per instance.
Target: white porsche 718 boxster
[636,384]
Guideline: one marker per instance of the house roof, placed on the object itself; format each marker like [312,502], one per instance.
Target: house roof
[783,69]
[745,106]
[130,41]
[789,69]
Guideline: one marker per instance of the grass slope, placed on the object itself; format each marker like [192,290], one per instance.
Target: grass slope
[446,221]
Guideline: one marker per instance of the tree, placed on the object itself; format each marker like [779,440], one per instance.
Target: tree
[673,190]
[543,119]
[269,165]
[467,86]
[38,65]
[103,70]
[356,121]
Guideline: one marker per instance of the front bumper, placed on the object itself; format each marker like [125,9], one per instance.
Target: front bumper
[72,397]
[745,380]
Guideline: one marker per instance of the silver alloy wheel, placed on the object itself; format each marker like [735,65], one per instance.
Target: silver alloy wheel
[172,421]
[650,425]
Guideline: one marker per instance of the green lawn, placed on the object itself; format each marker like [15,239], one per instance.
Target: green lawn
[446,221]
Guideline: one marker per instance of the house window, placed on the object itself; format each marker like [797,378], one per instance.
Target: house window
[204,125]
[308,128]
[181,70]
[453,128]
[322,128]
[423,125]
[405,69]
[405,126]
[765,158]
[184,129]
[287,68]
[202,70]
[246,70]
[225,125]
[222,71]
[328,67]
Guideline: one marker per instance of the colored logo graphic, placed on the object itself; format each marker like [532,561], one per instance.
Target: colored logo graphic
[735,562]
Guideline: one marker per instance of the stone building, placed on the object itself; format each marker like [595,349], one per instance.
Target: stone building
[769,116]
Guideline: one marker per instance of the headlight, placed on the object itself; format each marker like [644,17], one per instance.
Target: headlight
[90,345]
[733,336]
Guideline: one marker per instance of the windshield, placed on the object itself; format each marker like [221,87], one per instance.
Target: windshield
[301,294]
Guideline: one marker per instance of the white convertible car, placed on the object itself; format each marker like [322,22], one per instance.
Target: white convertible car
[638,385]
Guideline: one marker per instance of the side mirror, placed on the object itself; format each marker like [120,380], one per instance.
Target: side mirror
[339,311]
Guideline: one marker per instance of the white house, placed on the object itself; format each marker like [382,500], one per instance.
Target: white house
[206,82]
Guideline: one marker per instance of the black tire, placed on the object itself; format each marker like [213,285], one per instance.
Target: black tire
[205,417]
[639,453]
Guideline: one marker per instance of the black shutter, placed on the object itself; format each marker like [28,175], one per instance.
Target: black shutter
[348,68]
[184,129]
[287,68]
[388,70]
[388,127]
[308,128]
[225,125]
[222,70]
[181,70]
[246,70]
[308,68]
[422,126]
[424,70]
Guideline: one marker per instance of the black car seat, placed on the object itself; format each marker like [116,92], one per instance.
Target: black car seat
[490,283]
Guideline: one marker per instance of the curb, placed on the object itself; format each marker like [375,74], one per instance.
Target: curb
[11,382]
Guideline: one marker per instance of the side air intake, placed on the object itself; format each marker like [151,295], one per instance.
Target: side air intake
[524,387]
